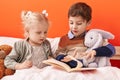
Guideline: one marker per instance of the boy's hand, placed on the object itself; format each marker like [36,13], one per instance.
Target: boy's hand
[66,59]
[76,52]
[24,65]
[91,54]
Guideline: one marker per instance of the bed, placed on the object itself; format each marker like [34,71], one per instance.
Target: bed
[50,73]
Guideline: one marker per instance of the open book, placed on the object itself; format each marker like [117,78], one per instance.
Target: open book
[61,65]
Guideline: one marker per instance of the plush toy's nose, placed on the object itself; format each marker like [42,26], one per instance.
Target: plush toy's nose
[87,44]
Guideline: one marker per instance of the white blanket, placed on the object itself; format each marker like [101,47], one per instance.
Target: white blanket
[50,73]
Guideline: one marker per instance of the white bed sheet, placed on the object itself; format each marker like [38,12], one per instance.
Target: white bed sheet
[50,73]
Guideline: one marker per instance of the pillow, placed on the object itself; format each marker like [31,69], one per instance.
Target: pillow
[8,40]
[54,43]
[12,40]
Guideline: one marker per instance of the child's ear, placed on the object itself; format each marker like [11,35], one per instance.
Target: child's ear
[26,34]
[89,22]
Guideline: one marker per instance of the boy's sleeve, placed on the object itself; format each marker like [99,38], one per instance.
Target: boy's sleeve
[108,51]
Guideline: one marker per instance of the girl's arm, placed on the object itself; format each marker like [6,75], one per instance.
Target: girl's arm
[17,59]
[47,49]
[10,60]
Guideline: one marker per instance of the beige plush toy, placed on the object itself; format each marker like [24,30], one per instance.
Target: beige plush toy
[4,50]
[96,38]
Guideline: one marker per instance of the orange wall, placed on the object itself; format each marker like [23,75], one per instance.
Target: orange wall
[106,15]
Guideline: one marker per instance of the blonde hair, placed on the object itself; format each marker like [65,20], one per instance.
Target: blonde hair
[30,18]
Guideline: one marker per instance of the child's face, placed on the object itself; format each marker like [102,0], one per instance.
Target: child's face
[77,25]
[37,34]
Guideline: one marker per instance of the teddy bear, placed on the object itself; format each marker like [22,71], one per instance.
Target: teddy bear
[4,50]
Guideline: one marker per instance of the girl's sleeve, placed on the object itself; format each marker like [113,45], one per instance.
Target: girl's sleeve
[10,60]
[49,50]
[108,51]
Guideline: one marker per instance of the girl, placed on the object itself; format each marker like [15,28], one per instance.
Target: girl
[34,48]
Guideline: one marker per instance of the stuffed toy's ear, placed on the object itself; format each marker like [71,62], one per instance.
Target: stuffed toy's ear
[105,34]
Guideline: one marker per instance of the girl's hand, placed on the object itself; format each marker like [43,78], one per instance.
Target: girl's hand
[26,64]
[91,54]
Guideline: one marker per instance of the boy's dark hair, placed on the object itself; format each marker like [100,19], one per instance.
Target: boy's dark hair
[80,9]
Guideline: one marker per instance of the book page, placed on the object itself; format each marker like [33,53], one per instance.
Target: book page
[61,65]
[57,64]
[81,69]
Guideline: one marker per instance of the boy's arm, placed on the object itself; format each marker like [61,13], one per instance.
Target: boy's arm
[104,51]
[108,51]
